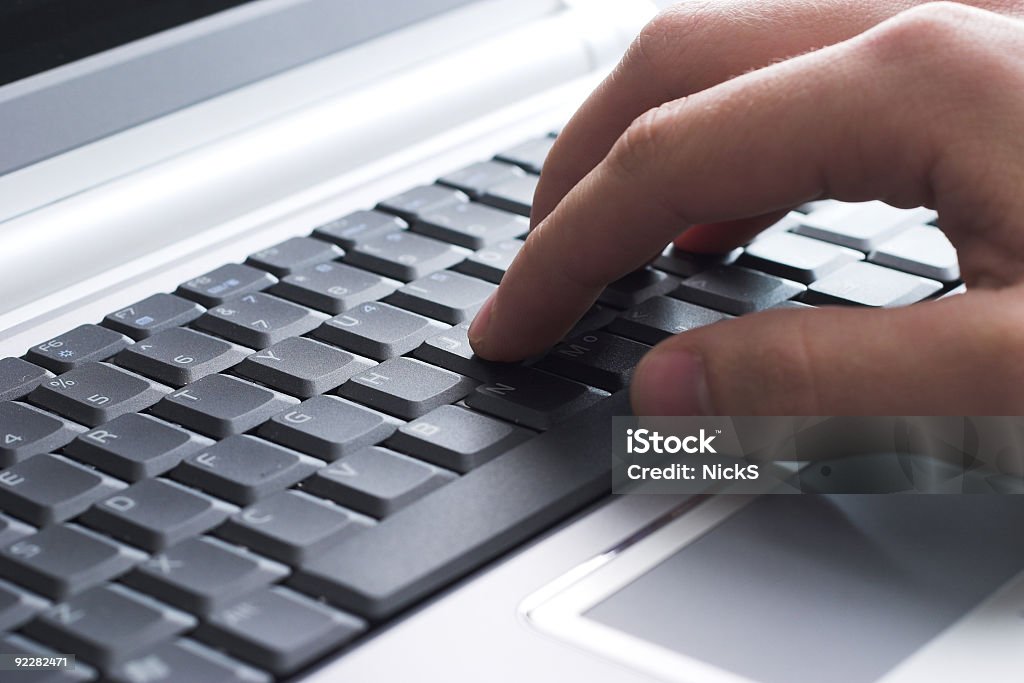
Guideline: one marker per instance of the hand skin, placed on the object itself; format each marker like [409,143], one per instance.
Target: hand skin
[725,114]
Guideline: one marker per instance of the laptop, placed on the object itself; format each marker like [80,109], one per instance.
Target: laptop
[243,436]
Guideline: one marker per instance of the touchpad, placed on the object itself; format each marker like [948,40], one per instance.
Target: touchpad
[796,589]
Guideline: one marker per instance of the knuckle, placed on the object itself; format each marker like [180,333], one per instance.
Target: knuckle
[931,31]
[658,43]
[639,145]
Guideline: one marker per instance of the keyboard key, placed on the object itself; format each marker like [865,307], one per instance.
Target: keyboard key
[638,286]
[378,330]
[329,427]
[294,254]
[12,530]
[134,447]
[18,377]
[866,284]
[515,195]
[155,513]
[796,257]
[661,317]
[81,345]
[736,290]
[532,398]
[107,624]
[451,350]
[292,526]
[333,287]
[491,263]
[259,320]
[279,630]
[201,575]
[920,250]
[599,359]
[476,178]
[153,314]
[448,296]
[219,406]
[26,431]
[184,660]
[225,283]
[302,367]
[529,155]
[455,438]
[686,264]
[862,226]
[377,481]
[471,225]
[243,469]
[18,606]
[405,255]
[97,393]
[178,356]
[406,387]
[358,227]
[64,559]
[46,489]
[419,200]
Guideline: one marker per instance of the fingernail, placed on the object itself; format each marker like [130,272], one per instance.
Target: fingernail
[478,328]
[671,383]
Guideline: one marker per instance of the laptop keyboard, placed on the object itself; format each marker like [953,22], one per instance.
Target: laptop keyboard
[239,479]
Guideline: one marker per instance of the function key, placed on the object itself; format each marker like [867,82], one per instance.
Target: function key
[529,155]
[18,377]
[81,345]
[476,178]
[423,199]
[153,314]
[293,254]
[359,226]
[228,281]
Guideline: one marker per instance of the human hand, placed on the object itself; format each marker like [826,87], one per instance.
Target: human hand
[725,114]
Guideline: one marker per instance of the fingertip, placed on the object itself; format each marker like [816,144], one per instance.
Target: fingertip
[478,329]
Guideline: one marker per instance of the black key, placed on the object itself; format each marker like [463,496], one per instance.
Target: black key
[26,431]
[219,406]
[515,195]
[65,559]
[425,198]
[185,660]
[377,481]
[333,287]
[476,178]
[225,283]
[638,286]
[448,296]
[107,624]
[329,427]
[358,227]
[529,155]
[134,447]
[378,330]
[404,559]
[451,350]
[533,398]
[599,359]
[491,263]
[81,345]
[97,393]
[204,574]
[243,469]
[151,315]
[471,225]
[279,630]
[294,254]
[456,438]
[302,367]
[18,377]
[259,320]
[406,387]
[597,317]
[178,356]
[737,290]
[405,255]
[12,530]
[155,513]
[46,489]
[920,250]
[862,226]
[796,257]
[292,526]
[865,284]
[18,606]
[661,317]
[686,264]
